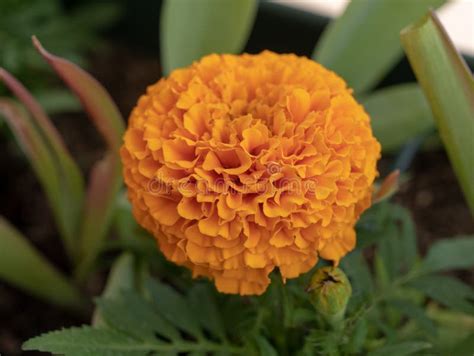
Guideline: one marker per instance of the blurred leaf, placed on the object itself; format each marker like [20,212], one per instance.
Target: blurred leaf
[357,337]
[356,267]
[407,239]
[204,305]
[390,251]
[388,187]
[416,313]
[464,347]
[56,101]
[449,254]
[174,307]
[24,267]
[56,170]
[264,346]
[452,326]
[192,29]
[401,349]
[447,290]
[449,88]
[129,313]
[398,114]
[105,179]
[362,45]
[121,277]
[105,183]
[96,16]
[95,99]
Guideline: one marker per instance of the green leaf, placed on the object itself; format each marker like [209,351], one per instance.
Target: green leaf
[356,267]
[56,101]
[87,341]
[408,239]
[449,254]
[105,179]
[416,313]
[204,305]
[264,346]
[192,29]
[121,277]
[363,44]
[133,315]
[464,347]
[401,349]
[447,290]
[57,172]
[449,87]
[104,185]
[174,307]
[24,267]
[398,114]
[133,326]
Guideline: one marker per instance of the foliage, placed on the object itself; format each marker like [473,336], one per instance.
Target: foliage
[449,87]
[20,19]
[82,216]
[386,315]
[190,30]
[401,303]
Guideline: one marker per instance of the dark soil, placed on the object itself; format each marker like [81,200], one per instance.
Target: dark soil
[432,194]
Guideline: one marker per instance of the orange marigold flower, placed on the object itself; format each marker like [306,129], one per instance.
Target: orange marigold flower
[240,164]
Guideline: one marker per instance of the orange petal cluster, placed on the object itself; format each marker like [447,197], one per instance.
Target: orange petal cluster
[240,164]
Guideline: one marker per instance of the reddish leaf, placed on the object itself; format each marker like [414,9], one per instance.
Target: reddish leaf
[95,99]
[104,184]
[52,162]
[388,188]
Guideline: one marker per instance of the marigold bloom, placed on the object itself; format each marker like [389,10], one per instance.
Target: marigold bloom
[240,164]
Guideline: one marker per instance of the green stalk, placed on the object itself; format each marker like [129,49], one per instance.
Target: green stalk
[449,87]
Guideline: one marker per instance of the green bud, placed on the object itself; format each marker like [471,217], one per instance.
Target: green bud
[330,292]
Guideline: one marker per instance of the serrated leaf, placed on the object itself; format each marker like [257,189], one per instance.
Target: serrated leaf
[192,29]
[174,307]
[363,44]
[87,341]
[359,274]
[416,313]
[398,114]
[121,277]
[24,267]
[204,306]
[449,254]
[358,337]
[447,290]
[408,240]
[56,170]
[132,314]
[390,251]
[401,349]
[398,246]
[449,87]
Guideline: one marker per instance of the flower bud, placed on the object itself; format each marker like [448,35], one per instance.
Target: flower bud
[330,291]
